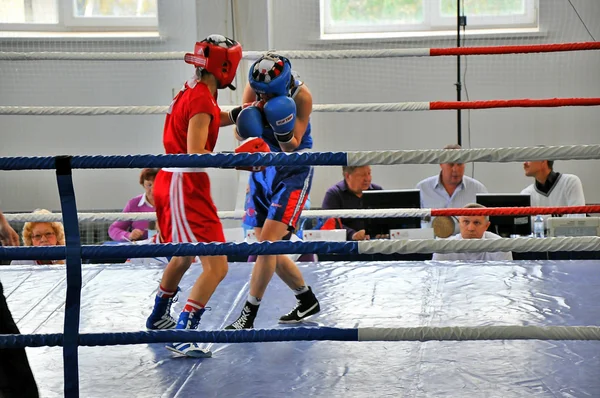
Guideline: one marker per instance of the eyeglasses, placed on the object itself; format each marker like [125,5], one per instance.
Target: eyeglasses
[47,235]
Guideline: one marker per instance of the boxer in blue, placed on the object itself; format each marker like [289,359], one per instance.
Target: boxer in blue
[277,108]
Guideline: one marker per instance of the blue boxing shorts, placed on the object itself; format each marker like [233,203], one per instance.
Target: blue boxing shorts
[277,193]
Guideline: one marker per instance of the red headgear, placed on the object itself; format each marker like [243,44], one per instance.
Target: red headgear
[218,55]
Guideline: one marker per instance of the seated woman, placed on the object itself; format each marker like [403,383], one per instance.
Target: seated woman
[42,234]
[124,231]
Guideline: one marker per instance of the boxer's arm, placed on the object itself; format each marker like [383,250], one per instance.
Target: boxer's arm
[197,133]
[303,110]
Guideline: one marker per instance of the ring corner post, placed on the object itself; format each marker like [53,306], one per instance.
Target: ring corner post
[66,192]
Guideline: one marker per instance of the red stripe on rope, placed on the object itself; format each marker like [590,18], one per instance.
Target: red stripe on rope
[534,48]
[515,103]
[515,211]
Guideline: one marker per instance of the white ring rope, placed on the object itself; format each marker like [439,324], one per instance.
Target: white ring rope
[462,333]
[587,243]
[162,110]
[345,108]
[223,215]
[92,56]
[85,110]
[239,214]
[522,245]
[179,55]
[489,155]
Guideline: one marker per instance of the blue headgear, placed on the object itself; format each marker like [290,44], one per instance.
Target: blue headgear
[271,74]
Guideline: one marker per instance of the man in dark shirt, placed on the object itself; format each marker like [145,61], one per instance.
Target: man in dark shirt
[347,194]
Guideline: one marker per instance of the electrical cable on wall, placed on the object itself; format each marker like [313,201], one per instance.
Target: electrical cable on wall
[464,83]
[581,19]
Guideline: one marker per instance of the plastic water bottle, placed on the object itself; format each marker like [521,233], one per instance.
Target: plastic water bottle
[152,229]
[538,227]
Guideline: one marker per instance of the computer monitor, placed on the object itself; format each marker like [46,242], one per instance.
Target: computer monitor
[391,199]
[506,226]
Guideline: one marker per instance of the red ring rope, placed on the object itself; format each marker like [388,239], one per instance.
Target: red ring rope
[514,103]
[514,211]
[527,49]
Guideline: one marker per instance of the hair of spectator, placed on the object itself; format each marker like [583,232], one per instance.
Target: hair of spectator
[452,146]
[58,228]
[477,206]
[148,175]
[349,169]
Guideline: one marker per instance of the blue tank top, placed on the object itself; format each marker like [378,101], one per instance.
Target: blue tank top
[269,135]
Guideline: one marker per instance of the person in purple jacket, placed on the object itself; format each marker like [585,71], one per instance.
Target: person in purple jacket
[123,231]
[347,194]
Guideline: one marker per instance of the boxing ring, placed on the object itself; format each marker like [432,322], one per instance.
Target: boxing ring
[385,329]
[117,298]
[362,302]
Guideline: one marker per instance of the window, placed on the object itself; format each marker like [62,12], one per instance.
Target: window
[67,15]
[393,16]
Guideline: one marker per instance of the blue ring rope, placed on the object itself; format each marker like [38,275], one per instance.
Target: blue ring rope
[167,336]
[226,160]
[74,252]
[181,249]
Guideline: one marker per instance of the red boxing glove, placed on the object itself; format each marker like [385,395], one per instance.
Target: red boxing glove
[258,104]
[253,145]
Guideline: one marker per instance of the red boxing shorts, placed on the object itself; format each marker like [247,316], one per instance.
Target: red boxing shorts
[184,208]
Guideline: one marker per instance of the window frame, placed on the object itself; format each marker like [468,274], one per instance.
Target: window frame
[68,22]
[434,22]
[528,20]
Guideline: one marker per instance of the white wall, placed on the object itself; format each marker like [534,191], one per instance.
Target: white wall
[296,27]
[488,77]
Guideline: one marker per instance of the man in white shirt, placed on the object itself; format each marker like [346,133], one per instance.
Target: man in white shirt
[551,188]
[449,189]
[474,227]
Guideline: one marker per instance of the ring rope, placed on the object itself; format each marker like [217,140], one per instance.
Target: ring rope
[419,246]
[313,55]
[520,245]
[230,160]
[71,337]
[336,213]
[422,334]
[371,107]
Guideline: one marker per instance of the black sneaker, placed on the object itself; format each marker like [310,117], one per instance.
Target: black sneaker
[307,305]
[246,318]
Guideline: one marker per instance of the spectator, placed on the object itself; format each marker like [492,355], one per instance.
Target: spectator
[347,194]
[122,231]
[474,227]
[42,234]
[449,189]
[551,188]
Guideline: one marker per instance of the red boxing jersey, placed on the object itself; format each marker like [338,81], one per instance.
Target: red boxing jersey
[194,98]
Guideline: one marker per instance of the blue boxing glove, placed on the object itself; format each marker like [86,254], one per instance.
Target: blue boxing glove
[280,112]
[250,122]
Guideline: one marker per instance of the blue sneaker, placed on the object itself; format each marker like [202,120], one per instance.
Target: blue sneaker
[161,314]
[192,350]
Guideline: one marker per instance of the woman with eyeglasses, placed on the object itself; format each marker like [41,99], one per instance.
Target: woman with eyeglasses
[131,231]
[42,234]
